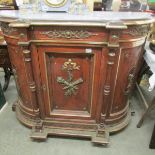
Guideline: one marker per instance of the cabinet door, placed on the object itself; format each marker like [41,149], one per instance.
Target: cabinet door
[127,69]
[70,81]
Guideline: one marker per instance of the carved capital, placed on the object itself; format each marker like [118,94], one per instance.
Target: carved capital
[114,38]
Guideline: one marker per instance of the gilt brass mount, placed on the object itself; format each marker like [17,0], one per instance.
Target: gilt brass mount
[131,79]
[70,86]
[69,34]
[141,30]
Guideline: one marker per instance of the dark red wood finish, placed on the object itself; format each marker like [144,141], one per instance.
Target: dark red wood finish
[103,64]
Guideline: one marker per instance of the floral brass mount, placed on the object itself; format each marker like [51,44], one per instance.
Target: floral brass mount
[69,34]
[141,30]
[131,80]
[70,86]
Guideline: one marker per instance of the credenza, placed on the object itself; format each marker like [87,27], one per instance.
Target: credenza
[74,73]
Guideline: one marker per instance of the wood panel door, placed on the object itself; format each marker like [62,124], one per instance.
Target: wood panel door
[127,71]
[70,78]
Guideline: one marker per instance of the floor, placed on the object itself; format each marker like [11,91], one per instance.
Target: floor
[14,137]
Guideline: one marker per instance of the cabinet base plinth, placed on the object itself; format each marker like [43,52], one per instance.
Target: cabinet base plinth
[40,131]
[41,134]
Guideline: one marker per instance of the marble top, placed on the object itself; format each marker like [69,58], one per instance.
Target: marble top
[95,17]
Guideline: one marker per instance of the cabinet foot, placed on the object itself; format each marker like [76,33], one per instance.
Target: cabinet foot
[38,132]
[102,137]
[40,135]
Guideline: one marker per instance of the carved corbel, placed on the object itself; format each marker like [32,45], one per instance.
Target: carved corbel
[115,31]
[22,26]
[114,38]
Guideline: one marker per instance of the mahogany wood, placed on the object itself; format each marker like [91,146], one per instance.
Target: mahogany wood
[74,80]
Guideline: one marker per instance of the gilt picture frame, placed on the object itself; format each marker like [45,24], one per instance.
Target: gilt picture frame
[8,5]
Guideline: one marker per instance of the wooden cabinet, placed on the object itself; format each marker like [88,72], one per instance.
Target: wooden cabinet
[74,77]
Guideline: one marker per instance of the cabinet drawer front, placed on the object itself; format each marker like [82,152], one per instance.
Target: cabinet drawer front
[70,87]
[71,34]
